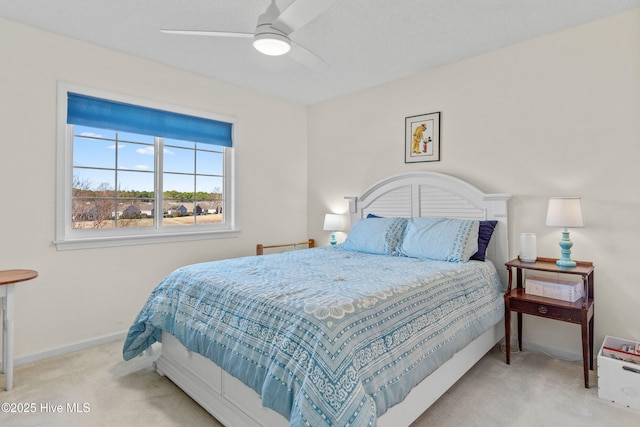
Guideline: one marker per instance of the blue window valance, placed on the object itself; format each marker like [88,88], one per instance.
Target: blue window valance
[101,113]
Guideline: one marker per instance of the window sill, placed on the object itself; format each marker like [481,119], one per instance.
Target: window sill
[107,242]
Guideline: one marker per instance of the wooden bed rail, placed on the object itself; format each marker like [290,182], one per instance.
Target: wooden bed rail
[260,247]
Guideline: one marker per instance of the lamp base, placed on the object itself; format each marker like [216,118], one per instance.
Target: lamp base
[333,238]
[566,263]
[565,245]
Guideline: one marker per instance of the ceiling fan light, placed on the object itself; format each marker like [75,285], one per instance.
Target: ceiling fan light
[271,44]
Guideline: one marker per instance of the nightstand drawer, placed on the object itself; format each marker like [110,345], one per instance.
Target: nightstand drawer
[545,310]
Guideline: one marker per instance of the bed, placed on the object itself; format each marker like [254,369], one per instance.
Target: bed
[369,332]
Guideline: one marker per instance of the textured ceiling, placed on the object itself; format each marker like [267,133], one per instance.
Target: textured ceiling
[363,42]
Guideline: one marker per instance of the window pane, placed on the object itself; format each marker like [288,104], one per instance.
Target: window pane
[96,180]
[135,213]
[209,163]
[208,187]
[178,160]
[136,156]
[93,213]
[93,132]
[93,152]
[178,143]
[208,212]
[135,182]
[135,137]
[177,213]
[178,183]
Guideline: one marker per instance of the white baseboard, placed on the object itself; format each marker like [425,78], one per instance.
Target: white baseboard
[67,349]
[549,351]
[553,352]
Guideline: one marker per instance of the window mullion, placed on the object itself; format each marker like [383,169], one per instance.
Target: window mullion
[195,174]
[117,183]
[158,183]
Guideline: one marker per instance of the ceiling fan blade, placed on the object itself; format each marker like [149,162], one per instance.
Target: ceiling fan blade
[208,33]
[306,57]
[299,13]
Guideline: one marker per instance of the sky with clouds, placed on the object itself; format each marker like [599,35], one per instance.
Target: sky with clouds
[96,153]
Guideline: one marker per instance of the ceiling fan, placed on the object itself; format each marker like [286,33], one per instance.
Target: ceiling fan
[271,36]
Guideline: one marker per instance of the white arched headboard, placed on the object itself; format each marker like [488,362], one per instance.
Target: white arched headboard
[432,194]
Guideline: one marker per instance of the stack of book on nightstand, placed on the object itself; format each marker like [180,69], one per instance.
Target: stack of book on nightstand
[549,287]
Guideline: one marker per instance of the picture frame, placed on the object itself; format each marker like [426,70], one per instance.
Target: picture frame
[422,138]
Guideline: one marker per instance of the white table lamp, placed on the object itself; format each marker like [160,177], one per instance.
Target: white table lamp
[333,223]
[565,212]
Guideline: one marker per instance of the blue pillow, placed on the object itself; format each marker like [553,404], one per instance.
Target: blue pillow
[376,236]
[441,239]
[485,232]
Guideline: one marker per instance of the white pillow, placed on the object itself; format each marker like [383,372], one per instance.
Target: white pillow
[376,236]
[442,239]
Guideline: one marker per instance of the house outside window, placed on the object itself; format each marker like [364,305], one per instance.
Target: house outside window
[131,172]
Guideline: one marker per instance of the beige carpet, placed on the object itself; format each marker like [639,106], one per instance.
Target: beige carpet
[103,390]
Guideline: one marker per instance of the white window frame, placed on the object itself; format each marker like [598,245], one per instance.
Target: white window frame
[68,238]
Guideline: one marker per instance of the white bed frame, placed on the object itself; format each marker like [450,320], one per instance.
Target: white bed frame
[407,195]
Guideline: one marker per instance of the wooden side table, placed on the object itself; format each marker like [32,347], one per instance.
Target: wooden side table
[8,279]
[580,312]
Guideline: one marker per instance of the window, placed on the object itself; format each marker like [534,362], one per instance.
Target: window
[131,173]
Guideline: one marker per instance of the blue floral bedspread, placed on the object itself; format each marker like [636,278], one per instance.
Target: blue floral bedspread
[327,337]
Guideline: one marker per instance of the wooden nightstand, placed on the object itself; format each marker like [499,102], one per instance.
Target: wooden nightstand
[580,312]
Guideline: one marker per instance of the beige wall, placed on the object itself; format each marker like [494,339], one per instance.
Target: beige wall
[84,294]
[558,115]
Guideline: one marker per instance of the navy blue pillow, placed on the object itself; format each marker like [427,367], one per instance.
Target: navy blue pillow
[485,232]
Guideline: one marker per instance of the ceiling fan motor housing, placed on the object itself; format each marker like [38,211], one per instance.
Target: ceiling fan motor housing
[267,39]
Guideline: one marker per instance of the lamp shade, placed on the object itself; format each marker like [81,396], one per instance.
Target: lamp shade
[334,222]
[565,212]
